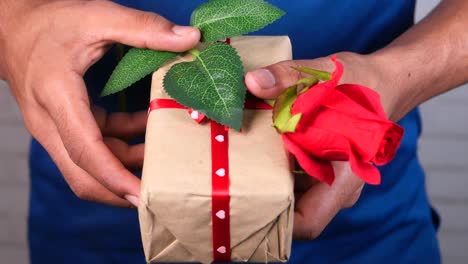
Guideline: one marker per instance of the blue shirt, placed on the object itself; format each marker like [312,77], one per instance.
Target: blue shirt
[391,223]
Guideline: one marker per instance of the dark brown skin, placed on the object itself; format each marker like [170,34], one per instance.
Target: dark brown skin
[47,45]
[430,59]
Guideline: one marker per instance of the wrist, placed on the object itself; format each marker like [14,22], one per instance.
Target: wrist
[372,71]
[410,75]
[429,59]
[393,84]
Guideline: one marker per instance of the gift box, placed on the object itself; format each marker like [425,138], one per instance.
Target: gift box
[214,194]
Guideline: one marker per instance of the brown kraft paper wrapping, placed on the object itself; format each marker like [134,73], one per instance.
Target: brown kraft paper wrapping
[175,206]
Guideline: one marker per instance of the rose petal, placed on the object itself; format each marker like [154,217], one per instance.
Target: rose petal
[342,123]
[345,104]
[366,97]
[309,101]
[322,170]
[364,135]
[389,145]
[321,143]
[364,170]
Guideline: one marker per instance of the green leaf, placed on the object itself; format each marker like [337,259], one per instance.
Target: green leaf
[220,19]
[321,75]
[283,120]
[135,65]
[212,84]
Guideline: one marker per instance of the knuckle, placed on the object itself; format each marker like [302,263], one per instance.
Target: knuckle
[82,193]
[77,154]
[351,201]
[149,21]
[42,88]
[101,117]
[287,75]
[296,75]
[280,68]
[150,25]
[350,197]
[313,234]
[50,101]
[40,96]
[309,229]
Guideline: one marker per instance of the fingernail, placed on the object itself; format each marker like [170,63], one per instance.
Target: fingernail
[183,30]
[264,78]
[132,199]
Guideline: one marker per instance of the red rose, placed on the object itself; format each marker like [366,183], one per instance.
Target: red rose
[342,123]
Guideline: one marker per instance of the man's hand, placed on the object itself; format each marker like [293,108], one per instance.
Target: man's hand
[429,59]
[45,48]
[317,203]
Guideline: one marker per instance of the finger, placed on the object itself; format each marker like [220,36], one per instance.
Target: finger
[130,156]
[120,125]
[316,208]
[81,183]
[140,29]
[81,136]
[271,81]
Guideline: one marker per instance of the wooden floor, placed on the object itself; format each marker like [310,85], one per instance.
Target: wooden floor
[443,152]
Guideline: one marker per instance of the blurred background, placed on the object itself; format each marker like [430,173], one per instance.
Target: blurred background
[443,153]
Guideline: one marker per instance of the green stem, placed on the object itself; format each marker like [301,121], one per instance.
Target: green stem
[195,52]
[300,172]
[321,75]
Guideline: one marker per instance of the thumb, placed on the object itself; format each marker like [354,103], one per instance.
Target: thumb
[140,29]
[271,81]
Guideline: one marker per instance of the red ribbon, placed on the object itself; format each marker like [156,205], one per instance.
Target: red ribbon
[219,175]
[220,193]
